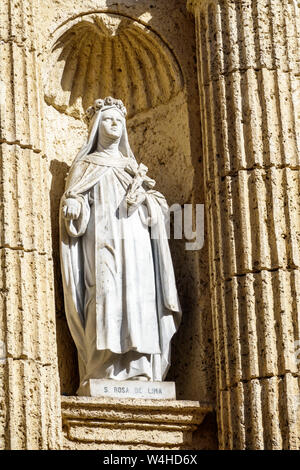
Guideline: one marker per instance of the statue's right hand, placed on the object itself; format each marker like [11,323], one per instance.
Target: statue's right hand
[71,209]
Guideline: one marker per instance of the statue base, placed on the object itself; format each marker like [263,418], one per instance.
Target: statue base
[128,389]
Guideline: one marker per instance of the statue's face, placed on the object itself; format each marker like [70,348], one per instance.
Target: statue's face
[111,124]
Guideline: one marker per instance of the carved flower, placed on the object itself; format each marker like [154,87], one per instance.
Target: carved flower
[90,112]
[99,104]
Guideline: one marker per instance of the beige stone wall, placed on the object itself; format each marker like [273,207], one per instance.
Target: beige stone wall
[135,424]
[248,70]
[240,294]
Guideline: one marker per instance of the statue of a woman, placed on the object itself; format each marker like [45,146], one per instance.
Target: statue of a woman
[120,295]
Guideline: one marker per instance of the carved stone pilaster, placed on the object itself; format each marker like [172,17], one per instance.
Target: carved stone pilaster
[248,71]
[29,390]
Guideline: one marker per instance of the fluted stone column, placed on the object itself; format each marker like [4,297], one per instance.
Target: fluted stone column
[29,390]
[248,64]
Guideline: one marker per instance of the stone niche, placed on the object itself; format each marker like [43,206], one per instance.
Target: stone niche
[144,55]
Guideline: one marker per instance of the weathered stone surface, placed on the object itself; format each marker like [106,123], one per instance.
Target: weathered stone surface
[29,391]
[128,389]
[248,74]
[38,147]
[248,70]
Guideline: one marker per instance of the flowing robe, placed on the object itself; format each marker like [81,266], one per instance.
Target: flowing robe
[119,288]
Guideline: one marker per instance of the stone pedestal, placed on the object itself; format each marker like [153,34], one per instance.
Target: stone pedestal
[106,423]
[128,389]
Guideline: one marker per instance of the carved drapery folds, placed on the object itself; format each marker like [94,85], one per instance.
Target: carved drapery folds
[29,392]
[99,54]
[248,70]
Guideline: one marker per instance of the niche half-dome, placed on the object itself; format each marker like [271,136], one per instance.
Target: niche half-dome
[103,54]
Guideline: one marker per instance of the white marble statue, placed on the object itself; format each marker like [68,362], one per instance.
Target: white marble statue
[120,295]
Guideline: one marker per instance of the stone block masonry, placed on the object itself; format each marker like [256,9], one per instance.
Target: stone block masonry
[248,72]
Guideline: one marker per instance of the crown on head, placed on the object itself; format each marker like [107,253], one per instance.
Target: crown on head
[106,102]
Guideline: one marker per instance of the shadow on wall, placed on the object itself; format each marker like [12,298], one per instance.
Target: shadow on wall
[66,350]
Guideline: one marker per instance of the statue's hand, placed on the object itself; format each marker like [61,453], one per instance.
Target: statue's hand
[136,199]
[71,209]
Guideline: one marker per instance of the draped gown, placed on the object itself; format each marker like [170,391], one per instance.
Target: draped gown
[120,294]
